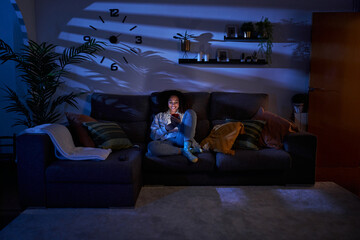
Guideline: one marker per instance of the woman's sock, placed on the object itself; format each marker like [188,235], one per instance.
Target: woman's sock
[196,150]
[186,152]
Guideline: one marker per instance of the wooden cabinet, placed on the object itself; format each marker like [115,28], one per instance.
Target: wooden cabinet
[334,97]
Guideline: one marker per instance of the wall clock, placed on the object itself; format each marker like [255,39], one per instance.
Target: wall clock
[115,38]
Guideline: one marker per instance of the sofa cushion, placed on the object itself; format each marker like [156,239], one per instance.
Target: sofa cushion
[226,105]
[179,163]
[222,137]
[250,138]
[253,160]
[79,132]
[276,128]
[131,112]
[122,166]
[108,135]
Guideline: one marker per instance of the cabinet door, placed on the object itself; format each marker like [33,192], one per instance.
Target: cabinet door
[334,93]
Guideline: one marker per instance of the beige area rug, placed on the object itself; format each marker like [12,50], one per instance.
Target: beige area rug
[322,211]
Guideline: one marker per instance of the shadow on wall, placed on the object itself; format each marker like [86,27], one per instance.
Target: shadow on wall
[130,68]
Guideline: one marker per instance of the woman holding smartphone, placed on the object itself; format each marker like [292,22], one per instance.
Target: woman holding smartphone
[173,131]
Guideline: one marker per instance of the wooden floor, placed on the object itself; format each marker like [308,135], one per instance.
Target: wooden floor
[9,200]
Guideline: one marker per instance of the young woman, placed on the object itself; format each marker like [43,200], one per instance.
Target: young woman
[173,131]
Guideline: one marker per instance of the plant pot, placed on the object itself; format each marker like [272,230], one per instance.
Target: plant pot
[262,35]
[247,34]
[185,45]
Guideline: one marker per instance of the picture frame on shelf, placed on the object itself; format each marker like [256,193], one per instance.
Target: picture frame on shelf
[232,31]
[222,55]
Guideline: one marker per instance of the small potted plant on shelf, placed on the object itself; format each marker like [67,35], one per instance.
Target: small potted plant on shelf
[254,57]
[184,41]
[264,30]
[247,28]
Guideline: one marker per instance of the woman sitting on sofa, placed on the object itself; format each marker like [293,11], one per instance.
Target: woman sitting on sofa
[173,131]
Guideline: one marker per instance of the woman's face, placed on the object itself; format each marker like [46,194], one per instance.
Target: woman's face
[173,104]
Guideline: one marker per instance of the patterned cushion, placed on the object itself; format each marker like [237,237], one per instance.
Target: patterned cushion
[250,139]
[108,135]
[222,137]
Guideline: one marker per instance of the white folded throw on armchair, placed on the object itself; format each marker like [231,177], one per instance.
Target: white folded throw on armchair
[64,144]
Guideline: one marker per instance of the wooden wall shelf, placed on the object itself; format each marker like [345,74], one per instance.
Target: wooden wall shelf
[214,61]
[241,39]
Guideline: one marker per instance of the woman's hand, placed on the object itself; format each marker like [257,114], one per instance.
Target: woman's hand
[173,130]
[169,127]
[175,121]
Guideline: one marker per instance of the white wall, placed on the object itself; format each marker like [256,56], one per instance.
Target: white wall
[155,67]
[27,8]
[14,34]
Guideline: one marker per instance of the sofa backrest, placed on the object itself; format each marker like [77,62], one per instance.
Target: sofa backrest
[239,106]
[134,113]
[200,103]
[131,112]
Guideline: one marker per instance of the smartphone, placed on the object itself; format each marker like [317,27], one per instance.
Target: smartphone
[176,115]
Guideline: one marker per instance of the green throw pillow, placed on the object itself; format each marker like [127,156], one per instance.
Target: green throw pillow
[108,135]
[250,139]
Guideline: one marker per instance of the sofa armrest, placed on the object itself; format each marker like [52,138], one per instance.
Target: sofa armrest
[302,149]
[34,153]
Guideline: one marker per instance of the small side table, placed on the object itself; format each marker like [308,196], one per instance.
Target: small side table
[301,120]
[8,148]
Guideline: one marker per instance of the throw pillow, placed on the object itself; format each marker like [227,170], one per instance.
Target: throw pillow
[275,129]
[79,132]
[108,135]
[222,137]
[250,138]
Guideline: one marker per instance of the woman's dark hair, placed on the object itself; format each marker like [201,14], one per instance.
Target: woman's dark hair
[164,98]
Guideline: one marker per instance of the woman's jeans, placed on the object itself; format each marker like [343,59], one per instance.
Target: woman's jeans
[172,146]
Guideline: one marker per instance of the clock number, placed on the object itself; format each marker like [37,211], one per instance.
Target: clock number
[114,67]
[114,12]
[138,40]
[87,38]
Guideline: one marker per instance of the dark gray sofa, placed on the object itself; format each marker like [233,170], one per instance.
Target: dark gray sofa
[116,182]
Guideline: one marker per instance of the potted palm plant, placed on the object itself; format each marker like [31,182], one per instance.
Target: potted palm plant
[42,69]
